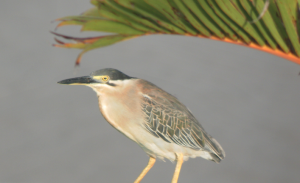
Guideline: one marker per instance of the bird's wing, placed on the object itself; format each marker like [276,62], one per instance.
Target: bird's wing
[170,120]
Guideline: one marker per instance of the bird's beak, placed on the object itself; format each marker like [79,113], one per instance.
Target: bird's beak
[84,80]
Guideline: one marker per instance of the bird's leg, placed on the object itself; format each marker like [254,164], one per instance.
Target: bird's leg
[146,170]
[178,167]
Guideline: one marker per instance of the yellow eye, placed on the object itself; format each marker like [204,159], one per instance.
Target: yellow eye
[105,78]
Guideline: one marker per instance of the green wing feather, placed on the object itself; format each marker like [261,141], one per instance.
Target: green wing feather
[170,120]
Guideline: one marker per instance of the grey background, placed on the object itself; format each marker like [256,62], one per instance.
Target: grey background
[248,100]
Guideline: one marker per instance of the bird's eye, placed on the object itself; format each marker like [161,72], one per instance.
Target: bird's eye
[105,78]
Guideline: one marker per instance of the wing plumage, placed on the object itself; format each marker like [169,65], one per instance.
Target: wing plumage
[170,120]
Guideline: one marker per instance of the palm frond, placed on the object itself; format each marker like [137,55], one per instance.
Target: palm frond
[272,26]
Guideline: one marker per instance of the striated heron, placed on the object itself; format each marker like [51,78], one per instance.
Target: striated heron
[161,125]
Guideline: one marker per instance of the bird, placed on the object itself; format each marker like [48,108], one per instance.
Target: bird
[161,125]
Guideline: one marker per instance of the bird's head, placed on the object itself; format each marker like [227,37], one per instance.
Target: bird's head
[104,78]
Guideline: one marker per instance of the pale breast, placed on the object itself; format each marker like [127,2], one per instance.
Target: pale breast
[120,107]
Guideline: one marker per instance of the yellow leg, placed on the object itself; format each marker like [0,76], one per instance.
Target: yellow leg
[178,167]
[146,170]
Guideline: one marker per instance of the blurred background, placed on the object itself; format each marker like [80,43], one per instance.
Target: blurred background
[248,100]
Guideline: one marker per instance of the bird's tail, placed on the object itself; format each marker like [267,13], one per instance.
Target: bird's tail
[216,151]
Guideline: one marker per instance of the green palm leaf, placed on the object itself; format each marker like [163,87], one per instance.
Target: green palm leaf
[233,21]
